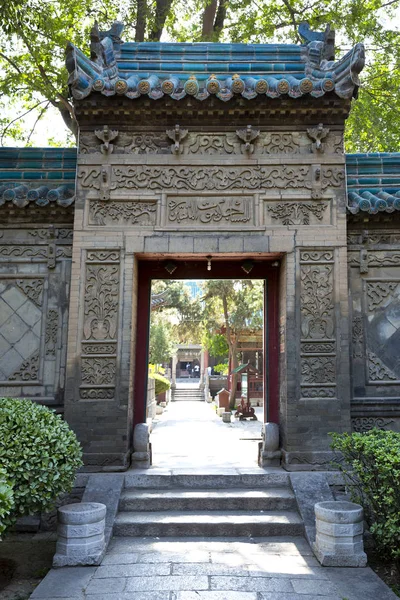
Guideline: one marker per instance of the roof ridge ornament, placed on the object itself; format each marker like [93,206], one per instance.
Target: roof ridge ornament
[326,39]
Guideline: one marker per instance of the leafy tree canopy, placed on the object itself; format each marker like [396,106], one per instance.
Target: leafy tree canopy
[34,33]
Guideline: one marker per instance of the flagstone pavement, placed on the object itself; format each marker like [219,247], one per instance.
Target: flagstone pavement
[190,438]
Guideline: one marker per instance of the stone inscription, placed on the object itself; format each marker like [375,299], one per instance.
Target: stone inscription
[210,210]
[122,213]
[318,346]
[297,213]
[99,333]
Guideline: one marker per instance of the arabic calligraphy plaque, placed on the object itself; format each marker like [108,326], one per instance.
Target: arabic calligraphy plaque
[209,212]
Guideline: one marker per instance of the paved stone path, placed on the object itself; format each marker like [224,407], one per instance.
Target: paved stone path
[211,569]
[190,438]
[190,434]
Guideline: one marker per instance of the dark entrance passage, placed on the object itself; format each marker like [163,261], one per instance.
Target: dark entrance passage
[180,269]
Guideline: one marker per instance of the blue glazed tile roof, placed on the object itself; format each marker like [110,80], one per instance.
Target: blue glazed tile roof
[202,69]
[37,175]
[373,182]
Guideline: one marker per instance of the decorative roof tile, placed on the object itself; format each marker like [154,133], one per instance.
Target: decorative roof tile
[202,69]
[37,175]
[373,182]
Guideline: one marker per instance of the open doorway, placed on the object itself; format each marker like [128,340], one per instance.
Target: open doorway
[238,353]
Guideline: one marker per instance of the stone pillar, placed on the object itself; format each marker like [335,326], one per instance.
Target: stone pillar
[339,539]
[173,373]
[202,369]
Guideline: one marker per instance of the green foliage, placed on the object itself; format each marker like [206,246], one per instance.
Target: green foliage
[216,344]
[161,345]
[162,383]
[39,453]
[34,33]
[372,471]
[6,499]
[222,368]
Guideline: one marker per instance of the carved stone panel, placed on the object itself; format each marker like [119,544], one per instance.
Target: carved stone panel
[382,304]
[123,214]
[99,335]
[285,213]
[208,211]
[20,328]
[318,330]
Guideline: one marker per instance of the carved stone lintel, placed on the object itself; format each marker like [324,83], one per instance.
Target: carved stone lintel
[317,134]
[248,136]
[106,135]
[177,135]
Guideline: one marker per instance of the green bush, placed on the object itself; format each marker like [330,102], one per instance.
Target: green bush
[39,453]
[6,500]
[372,472]
[162,383]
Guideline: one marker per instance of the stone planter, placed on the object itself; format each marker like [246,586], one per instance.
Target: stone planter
[339,534]
[80,534]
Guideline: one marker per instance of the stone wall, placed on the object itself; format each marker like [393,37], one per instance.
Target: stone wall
[35,271]
[265,191]
[374,279]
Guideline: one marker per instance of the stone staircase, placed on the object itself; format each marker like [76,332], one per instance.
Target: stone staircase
[255,505]
[191,394]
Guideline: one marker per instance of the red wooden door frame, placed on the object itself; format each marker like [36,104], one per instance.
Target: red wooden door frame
[221,269]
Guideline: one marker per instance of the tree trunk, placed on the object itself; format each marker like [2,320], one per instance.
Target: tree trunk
[208,21]
[141,16]
[219,19]
[162,9]
[235,364]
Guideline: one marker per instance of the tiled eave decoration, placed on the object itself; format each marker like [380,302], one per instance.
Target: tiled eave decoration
[39,176]
[373,183]
[200,70]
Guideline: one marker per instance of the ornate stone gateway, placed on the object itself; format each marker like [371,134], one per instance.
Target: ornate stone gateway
[233,151]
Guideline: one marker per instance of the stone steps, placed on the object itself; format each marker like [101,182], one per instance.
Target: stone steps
[255,504]
[206,499]
[273,479]
[209,524]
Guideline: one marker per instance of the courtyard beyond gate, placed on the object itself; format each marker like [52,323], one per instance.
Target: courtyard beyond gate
[189,434]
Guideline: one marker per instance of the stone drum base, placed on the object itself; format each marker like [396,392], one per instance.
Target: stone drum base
[339,539]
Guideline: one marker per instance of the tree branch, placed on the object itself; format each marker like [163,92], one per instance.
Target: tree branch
[37,121]
[18,118]
[12,63]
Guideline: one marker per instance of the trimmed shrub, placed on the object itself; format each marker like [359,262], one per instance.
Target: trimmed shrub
[371,469]
[6,500]
[162,384]
[39,453]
